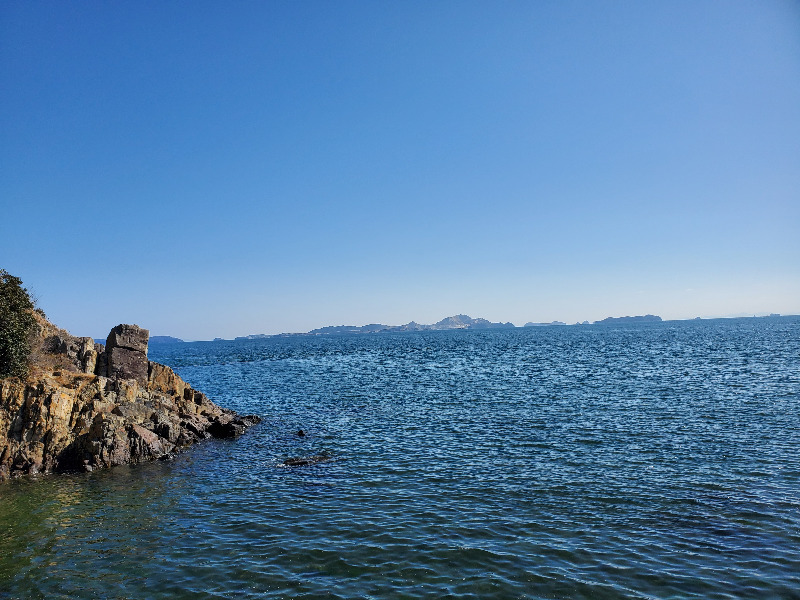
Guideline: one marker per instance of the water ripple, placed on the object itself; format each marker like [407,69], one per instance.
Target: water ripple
[598,462]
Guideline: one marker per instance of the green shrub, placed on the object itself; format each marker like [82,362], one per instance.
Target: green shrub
[16,326]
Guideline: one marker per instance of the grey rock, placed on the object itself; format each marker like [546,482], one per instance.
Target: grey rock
[89,361]
[124,363]
[131,337]
[101,363]
[75,354]
[126,353]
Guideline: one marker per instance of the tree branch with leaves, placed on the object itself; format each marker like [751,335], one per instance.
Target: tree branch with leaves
[16,326]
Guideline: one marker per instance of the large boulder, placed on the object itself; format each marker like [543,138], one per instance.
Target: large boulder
[131,337]
[126,353]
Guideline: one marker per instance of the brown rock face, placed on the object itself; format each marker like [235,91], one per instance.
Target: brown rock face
[66,418]
[77,354]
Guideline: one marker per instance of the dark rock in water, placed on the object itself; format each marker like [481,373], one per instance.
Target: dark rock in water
[229,425]
[305,461]
[301,433]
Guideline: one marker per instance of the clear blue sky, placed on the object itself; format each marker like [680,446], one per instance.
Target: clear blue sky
[223,168]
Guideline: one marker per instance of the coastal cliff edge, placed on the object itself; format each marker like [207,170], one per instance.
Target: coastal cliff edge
[85,406]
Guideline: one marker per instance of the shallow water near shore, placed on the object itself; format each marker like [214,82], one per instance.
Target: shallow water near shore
[638,461]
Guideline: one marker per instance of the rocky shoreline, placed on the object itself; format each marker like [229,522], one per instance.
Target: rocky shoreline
[86,406]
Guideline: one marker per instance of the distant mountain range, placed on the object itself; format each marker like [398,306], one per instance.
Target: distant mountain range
[454,322]
[637,319]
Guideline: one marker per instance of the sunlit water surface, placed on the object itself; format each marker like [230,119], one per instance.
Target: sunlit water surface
[646,461]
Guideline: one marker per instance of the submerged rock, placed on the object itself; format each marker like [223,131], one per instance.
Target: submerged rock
[305,461]
[65,417]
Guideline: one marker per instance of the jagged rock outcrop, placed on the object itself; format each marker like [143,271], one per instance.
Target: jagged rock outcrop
[66,417]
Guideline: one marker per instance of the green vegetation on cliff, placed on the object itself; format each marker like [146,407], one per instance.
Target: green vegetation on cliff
[16,326]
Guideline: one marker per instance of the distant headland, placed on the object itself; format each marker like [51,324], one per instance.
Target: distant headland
[454,322]
[164,339]
[448,323]
[621,320]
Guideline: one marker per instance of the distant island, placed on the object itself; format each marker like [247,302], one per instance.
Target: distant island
[164,339]
[637,319]
[454,322]
[448,323]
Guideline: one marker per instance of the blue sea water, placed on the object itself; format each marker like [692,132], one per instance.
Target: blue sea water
[633,461]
